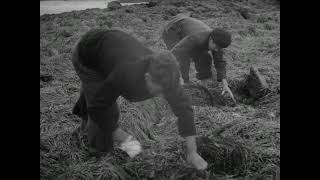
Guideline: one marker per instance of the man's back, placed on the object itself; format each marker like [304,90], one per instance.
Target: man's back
[102,49]
[187,25]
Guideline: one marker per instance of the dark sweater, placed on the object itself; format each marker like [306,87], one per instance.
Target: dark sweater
[116,58]
[193,38]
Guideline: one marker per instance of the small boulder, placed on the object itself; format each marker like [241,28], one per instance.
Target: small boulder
[46,77]
[137,20]
[244,12]
[195,15]
[256,84]
[172,11]
[108,23]
[65,33]
[165,17]
[178,3]
[152,3]
[190,8]
[113,5]
[129,10]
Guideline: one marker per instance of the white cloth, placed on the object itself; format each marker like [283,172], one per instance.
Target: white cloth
[131,146]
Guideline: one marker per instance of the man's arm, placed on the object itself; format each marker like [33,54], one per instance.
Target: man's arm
[105,96]
[180,104]
[219,64]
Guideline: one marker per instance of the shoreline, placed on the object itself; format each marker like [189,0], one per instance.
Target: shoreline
[57,7]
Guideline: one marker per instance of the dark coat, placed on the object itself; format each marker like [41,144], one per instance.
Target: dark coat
[111,63]
[187,38]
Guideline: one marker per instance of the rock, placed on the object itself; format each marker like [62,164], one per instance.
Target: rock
[244,13]
[188,14]
[108,23]
[46,77]
[178,3]
[144,19]
[278,90]
[165,17]
[194,15]
[65,33]
[129,10]
[252,31]
[53,52]
[227,10]
[152,3]
[113,5]
[172,11]
[137,21]
[43,146]
[190,8]
[262,19]
[256,84]
[225,154]
[268,26]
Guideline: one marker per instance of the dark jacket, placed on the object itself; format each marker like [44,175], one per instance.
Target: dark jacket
[113,61]
[188,39]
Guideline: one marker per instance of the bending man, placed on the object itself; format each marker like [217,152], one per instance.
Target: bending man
[111,63]
[190,39]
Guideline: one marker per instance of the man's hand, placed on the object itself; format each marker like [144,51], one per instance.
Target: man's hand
[227,89]
[197,161]
[192,156]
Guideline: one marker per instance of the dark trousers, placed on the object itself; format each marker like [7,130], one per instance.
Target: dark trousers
[99,133]
[202,60]
[203,64]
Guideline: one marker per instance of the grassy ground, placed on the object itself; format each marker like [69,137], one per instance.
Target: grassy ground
[240,142]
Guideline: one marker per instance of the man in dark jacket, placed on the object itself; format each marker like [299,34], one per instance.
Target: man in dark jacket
[111,63]
[191,39]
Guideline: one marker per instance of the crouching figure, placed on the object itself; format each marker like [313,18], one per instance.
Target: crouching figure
[190,39]
[111,63]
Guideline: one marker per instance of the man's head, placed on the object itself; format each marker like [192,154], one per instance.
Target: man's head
[162,73]
[218,39]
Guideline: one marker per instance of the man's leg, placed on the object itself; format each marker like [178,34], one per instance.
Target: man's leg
[203,64]
[80,109]
[100,134]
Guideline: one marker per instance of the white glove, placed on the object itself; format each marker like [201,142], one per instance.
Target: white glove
[131,146]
